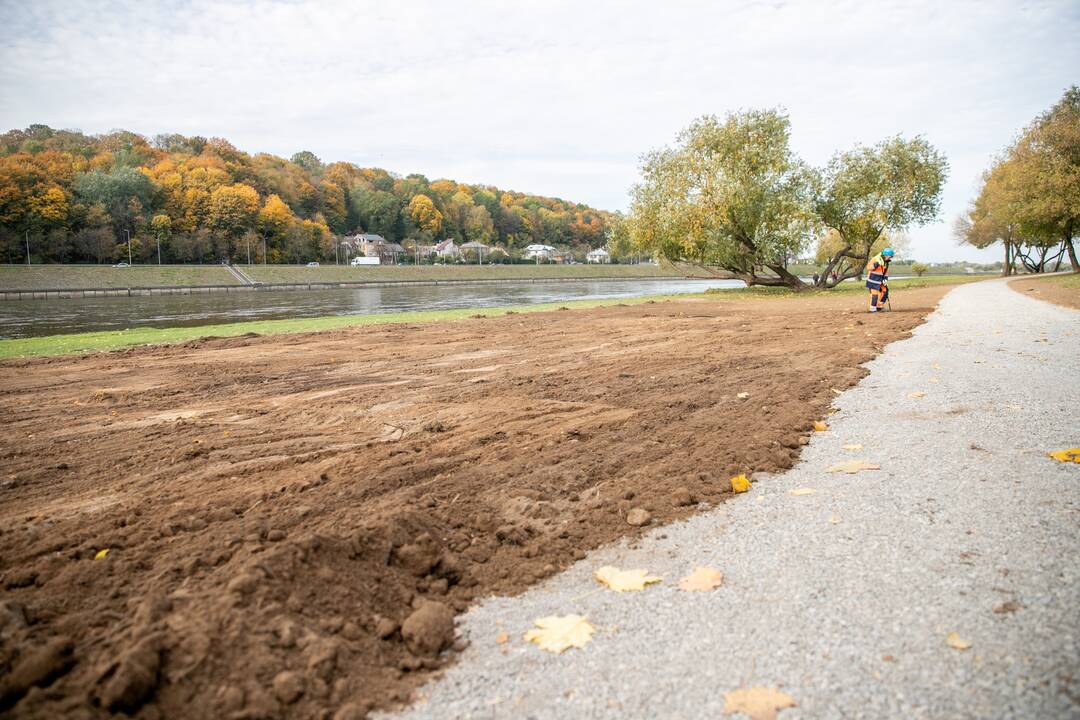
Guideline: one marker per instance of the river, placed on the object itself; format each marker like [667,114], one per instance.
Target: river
[29,318]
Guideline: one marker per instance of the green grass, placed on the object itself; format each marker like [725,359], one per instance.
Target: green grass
[345,273]
[1070,281]
[71,277]
[116,339]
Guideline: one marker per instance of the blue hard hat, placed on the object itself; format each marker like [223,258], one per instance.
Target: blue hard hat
[888,252]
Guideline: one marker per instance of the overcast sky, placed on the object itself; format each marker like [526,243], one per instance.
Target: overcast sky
[555,98]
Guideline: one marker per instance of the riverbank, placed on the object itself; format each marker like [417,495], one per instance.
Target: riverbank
[61,344]
[276,509]
[20,281]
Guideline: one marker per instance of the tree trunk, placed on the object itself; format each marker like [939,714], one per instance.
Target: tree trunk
[1072,251]
[1007,270]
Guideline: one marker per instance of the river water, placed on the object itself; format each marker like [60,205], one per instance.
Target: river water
[28,318]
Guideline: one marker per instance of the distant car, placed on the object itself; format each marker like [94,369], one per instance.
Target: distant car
[313,264]
[121,264]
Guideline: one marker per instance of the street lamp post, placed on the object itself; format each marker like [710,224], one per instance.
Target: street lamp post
[159,249]
[27,247]
[129,244]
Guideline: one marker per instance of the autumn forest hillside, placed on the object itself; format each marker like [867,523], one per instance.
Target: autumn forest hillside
[78,198]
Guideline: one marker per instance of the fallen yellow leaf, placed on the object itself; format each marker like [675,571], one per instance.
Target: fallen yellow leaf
[101,553]
[556,634]
[916,395]
[956,642]
[1071,455]
[740,484]
[702,579]
[820,426]
[625,580]
[743,395]
[836,391]
[835,519]
[802,491]
[502,638]
[854,446]
[758,703]
[853,466]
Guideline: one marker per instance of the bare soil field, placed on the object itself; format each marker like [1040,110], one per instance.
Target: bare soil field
[1063,290]
[292,521]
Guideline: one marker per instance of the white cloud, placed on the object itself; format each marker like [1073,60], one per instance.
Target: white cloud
[557,98]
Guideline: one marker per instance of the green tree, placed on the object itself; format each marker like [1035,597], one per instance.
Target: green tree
[731,193]
[919,268]
[869,191]
[115,191]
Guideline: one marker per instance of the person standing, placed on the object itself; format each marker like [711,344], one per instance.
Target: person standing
[877,279]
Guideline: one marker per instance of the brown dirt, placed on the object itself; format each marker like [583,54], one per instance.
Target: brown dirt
[1050,289]
[292,521]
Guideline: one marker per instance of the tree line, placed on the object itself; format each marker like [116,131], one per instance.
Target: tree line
[72,197]
[1029,198]
[732,194]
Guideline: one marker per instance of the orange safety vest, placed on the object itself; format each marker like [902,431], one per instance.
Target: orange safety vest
[877,272]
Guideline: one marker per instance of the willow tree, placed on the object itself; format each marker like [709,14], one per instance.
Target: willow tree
[732,194]
[868,192]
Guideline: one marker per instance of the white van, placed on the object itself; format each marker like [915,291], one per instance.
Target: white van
[365,261]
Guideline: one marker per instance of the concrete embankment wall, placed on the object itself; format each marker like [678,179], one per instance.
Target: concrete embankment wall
[75,293]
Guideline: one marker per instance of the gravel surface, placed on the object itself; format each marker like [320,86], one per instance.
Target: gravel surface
[844,598]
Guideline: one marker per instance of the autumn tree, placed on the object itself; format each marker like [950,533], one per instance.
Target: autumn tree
[731,193]
[870,191]
[423,213]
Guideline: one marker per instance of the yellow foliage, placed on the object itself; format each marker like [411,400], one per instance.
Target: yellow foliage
[625,580]
[1071,455]
[556,634]
[739,484]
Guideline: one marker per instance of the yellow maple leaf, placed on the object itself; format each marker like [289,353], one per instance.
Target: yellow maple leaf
[702,579]
[1071,455]
[556,634]
[853,466]
[739,484]
[820,426]
[758,703]
[956,642]
[802,491]
[625,580]
[101,553]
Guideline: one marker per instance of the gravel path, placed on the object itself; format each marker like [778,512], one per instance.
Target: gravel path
[843,598]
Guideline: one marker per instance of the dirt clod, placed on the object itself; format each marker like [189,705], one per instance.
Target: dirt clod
[681,497]
[428,629]
[638,517]
[38,667]
[288,686]
[128,682]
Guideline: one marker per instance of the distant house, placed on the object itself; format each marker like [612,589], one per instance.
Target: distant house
[537,251]
[371,245]
[446,250]
[599,255]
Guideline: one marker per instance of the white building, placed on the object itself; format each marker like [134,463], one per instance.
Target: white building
[599,255]
[538,251]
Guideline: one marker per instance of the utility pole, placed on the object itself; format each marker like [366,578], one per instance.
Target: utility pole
[159,249]
[28,248]
[129,244]
[248,249]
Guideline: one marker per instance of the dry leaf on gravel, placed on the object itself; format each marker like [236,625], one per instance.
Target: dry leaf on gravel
[739,484]
[820,426]
[1065,456]
[758,703]
[835,520]
[802,491]
[853,466]
[556,634]
[854,446]
[625,580]
[956,642]
[502,638]
[916,395]
[702,579]
[743,395]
